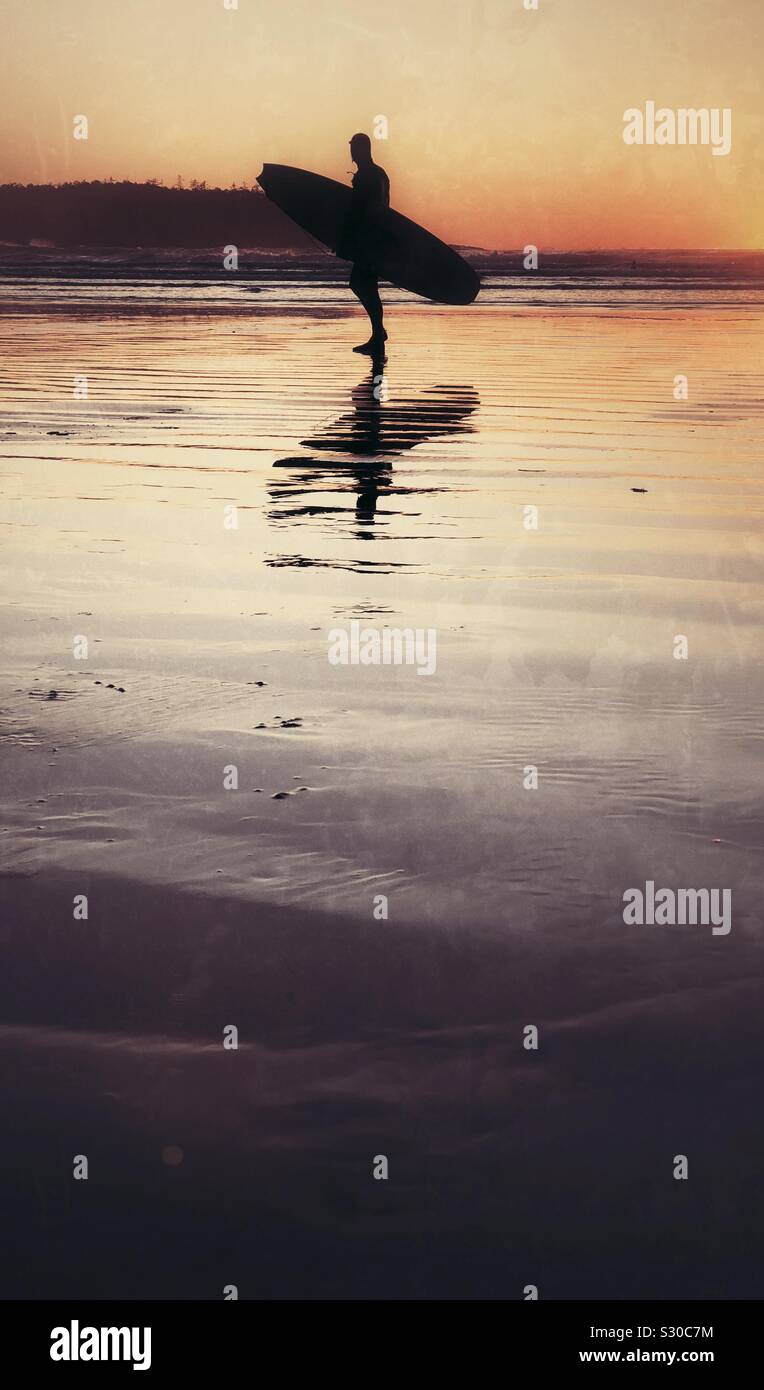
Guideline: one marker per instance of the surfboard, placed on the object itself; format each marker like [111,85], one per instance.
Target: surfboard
[405,254]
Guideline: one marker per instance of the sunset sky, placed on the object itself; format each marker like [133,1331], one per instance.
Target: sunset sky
[505,125]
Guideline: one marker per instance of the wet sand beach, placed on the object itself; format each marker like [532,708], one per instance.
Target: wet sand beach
[402,502]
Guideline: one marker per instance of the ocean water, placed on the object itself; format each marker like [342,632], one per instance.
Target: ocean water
[146,279]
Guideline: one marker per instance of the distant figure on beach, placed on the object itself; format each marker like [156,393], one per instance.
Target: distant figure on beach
[362,236]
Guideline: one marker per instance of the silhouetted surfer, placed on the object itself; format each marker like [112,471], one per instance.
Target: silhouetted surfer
[362,237]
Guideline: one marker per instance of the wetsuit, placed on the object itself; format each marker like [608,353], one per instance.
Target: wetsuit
[363,238]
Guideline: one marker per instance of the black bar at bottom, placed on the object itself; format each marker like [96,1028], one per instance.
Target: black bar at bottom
[352,1339]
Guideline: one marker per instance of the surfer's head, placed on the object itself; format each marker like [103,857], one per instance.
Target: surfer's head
[360,149]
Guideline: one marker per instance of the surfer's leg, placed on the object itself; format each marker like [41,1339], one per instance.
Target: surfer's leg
[365,287]
[373,304]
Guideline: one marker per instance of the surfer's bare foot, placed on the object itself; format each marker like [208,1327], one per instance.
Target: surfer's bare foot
[375,346]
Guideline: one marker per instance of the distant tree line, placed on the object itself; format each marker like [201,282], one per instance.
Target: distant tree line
[109,213]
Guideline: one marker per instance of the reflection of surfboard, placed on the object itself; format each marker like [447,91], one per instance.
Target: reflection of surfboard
[405,254]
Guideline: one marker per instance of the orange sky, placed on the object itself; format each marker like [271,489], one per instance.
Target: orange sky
[505,125]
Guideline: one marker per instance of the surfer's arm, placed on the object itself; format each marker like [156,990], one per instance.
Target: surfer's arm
[354,220]
[359,203]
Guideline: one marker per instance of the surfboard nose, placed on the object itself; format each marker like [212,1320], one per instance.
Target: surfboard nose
[269,174]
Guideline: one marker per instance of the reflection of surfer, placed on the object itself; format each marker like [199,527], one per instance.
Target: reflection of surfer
[362,237]
[362,443]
